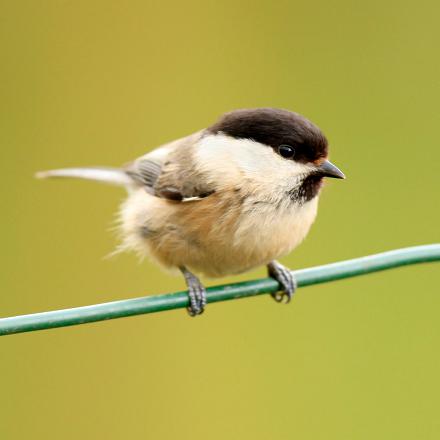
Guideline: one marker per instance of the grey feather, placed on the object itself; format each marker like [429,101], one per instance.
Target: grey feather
[112,176]
[145,172]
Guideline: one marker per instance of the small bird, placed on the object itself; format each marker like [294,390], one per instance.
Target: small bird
[236,195]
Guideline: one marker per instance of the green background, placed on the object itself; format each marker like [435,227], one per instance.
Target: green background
[101,82]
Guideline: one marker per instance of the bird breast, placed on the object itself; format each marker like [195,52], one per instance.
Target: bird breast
[225,233]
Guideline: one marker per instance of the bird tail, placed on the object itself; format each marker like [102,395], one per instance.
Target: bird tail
[112,176]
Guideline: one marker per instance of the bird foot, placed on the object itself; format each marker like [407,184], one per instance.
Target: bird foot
[286,280]
[196,293]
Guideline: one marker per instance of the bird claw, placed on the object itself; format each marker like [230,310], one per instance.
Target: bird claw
[197,299]
[196,293]
[286,280]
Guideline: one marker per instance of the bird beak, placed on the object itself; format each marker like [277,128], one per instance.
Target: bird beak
[327,169]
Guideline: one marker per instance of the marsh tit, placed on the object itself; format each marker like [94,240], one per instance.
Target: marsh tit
[236,195]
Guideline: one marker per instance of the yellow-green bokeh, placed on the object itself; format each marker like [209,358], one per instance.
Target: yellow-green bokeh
[101,82]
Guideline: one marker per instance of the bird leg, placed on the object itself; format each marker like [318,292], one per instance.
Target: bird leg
[286,280]
[196,293]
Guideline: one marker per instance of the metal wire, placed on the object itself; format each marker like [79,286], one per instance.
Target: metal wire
[160,303]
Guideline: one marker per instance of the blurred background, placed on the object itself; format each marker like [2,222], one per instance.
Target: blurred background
[102,82]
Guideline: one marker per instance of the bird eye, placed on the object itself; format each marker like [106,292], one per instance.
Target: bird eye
[286,151]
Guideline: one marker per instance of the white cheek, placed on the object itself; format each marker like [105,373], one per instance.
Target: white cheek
[231,161]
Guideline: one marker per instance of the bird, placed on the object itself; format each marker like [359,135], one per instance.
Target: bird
[236,195]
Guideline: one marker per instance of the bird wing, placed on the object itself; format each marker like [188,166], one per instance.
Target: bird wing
[169,172]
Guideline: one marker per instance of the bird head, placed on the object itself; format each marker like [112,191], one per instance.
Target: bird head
[272,150]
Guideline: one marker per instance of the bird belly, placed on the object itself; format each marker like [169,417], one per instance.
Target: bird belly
[217,236]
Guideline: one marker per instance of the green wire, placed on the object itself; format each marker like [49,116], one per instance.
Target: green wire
[178,300]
